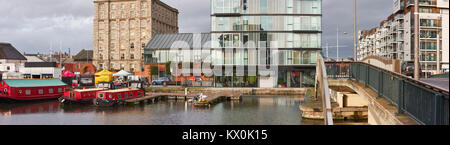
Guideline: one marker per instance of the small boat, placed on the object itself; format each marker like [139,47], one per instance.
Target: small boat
[116,97]
[199,97]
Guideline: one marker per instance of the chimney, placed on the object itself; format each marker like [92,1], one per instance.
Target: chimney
[70,54]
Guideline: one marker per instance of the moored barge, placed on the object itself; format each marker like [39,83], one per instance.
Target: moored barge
[31,89]
[116,97]
[80,96]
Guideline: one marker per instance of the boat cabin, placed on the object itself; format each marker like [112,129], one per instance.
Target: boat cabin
[83,94]
[120,94]
[31,89]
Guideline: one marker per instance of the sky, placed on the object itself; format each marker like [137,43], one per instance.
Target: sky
[34,26]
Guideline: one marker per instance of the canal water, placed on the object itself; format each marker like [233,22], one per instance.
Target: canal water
[251,110]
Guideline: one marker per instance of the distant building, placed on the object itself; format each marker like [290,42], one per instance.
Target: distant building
[11,60]
[394,37]
[80,63]
[40,70]
[122,29]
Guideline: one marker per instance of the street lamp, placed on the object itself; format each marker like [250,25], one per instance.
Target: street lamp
[416,40]
[337,39]
[354,32]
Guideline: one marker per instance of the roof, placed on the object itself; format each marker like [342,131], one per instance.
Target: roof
[84,55]
[165,41]
[40,64]
[34,82]
[7,51]
[32,58]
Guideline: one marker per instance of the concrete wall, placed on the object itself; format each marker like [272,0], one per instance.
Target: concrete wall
[391,65]
[380,110]
[352,100]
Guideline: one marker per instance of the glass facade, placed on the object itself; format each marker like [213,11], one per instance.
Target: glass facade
[292,26]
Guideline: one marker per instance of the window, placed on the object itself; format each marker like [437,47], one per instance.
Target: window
[131,14]
[139,93]
[50,91]
[143,45]
[122,57]
[132,56]
[132,46]
[131,94]
[60,90]
[41,91]
[28,92]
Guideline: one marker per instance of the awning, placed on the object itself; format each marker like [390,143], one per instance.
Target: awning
[68,74]
[121,73]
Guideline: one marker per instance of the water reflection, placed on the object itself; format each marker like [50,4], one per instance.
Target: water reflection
[251,110]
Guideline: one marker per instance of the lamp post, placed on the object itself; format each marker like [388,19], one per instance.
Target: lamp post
[416,40]
[354,31]
[337,41]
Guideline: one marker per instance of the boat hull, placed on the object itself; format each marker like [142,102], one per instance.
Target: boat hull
[68,100]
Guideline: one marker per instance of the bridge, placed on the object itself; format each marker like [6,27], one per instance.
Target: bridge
[392,98]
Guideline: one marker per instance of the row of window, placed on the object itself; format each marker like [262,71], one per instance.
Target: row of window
[267,6]
[266,23]
[268,40]
[236,57]
[123,6]
[41,91]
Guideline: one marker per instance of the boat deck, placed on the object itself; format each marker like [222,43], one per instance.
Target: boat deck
[119,90]
[88,90]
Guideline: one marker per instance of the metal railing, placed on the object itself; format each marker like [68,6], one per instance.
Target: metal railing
[321,84]
[425,103]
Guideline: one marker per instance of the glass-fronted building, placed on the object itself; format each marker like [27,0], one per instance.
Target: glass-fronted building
[291,28]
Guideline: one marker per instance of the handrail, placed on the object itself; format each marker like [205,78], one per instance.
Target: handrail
[322,82]
[402,76]
[425,103]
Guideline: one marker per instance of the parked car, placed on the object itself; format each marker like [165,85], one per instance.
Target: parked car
[161,81]
[408,68]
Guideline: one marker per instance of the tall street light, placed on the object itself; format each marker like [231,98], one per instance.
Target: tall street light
[354,32]
[416,40]
[337,41]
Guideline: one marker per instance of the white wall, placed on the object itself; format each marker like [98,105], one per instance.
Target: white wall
[14,65]
[407,37]
[42,70]
[442,3]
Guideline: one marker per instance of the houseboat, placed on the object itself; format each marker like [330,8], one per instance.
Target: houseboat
[80,95]
[116,97]
[31,89]
[84,95]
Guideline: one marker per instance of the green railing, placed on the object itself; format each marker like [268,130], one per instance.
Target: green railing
[425,103]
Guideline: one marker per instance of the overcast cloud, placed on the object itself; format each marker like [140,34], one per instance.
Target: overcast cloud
[34,25]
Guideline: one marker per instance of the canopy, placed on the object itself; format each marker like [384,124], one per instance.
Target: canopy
[122,73]
[103,76]
[68,74]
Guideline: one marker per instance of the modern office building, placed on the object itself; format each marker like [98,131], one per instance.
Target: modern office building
[289,29]
[394,38]
[122,28]
[292,27]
